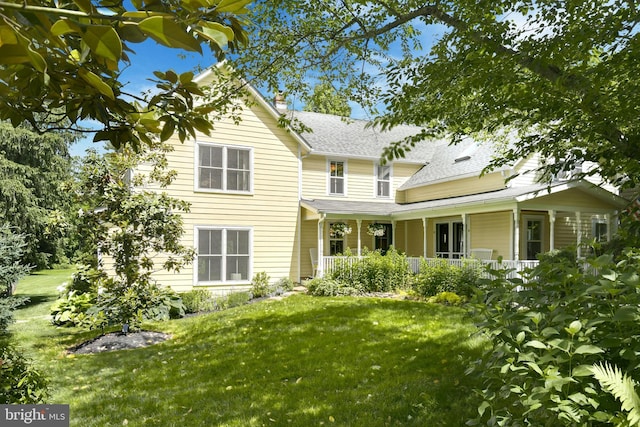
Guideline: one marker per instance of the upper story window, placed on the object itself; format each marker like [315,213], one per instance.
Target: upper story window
[383,181]
[224,168]
[337,177]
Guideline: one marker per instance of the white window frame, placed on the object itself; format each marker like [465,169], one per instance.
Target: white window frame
[223,274]
[225,147]
[344,177]
[377,180]
[594,224]
[524,237]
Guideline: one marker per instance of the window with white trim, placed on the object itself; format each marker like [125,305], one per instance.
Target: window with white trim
[337,177]
[224,254]
[600,229]
[224,168]
[383,181]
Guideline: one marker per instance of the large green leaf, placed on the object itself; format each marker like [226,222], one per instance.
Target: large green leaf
[64,26]
[168,33]
[103,41]
[233,6]
[7,36]
[216,32]
[96,82]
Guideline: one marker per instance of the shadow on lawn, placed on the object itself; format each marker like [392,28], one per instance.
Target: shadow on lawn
[352,361]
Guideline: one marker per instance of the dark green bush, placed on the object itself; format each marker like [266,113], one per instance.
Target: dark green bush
[374,272]
[548,333]
[327,287]
[199,300]
[441,276]
[20,383]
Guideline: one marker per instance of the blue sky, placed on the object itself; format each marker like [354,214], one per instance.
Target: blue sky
[150,57]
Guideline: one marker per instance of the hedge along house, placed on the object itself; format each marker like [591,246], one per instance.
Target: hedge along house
[269,199]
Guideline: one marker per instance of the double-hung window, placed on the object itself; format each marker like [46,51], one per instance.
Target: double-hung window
[383,181]
[224,254]
[337,177]
[224,168]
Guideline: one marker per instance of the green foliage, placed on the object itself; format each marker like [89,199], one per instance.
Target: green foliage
[236,299]
[260,285]
[374,272]
[326,100]
[284,284]
[198,300]
[131,305]
[439,276]
[20,382]
[35,177]
[62,64]
[551,77]
[12,248]
[131,226]
[71,309]
[447,298]
[548,332]
[622,387]
[326,287]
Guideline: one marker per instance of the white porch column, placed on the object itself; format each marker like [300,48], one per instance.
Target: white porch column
[425,223]
[321,246]
[516,234]
[393,234]
[578,232]
[552,231]
[465,235]
[359,223]
[607,218]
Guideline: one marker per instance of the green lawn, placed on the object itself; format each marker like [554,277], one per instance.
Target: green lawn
[300,361]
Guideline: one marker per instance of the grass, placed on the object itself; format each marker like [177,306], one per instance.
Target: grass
[299,361]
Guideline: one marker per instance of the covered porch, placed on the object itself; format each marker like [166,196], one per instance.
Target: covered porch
[513,224]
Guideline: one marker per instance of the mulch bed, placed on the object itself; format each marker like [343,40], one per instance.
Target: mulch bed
[120,341]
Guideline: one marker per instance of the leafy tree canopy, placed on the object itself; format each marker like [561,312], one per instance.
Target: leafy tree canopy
[558,77]
[35,178]
[62,62]
[325,99]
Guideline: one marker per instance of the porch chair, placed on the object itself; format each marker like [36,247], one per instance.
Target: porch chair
[482,254]
[313,252]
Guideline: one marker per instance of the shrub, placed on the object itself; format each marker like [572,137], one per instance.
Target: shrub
[447,298]
[548,333]
[374,272]
[327,287]
[20,383]
[235,299]
[12,248]
[284,285]
[71,309]
[260,285]
[441,276]
[199,300]
[130,305]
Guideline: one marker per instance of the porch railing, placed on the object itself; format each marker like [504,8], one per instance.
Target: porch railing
[330,263]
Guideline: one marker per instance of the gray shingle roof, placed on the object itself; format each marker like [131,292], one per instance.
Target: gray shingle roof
[346,207]
[454,161]
[337,136]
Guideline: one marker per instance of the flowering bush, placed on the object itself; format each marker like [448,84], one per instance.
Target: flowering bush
[375,229]
[339,229]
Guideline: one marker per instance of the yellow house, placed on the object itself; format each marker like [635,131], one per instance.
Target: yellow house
[269,199]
